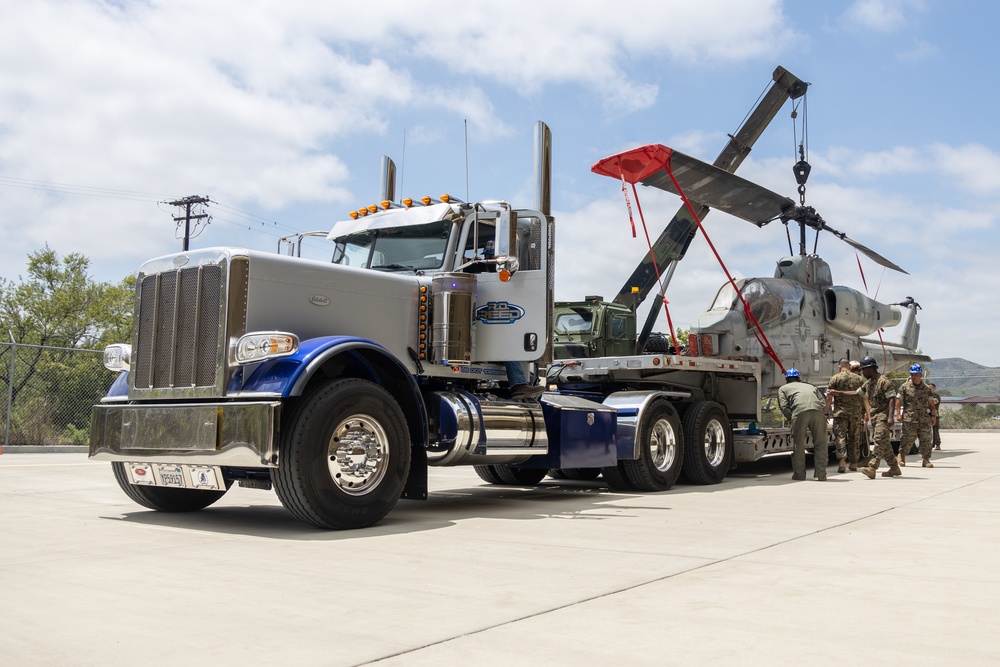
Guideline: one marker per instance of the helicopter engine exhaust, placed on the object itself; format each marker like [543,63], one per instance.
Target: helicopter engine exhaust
[851,312]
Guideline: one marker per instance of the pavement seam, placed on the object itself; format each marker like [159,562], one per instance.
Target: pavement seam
[669,576]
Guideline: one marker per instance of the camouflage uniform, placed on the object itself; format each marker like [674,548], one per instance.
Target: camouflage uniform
[915,401]
[880,391]
[936,429]
[848,415]
[803,405]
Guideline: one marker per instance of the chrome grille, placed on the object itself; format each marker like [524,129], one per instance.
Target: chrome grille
[180,332]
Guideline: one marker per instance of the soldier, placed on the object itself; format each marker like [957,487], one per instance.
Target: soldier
[802,403]
[848,420]
[879,396]
[936,397]
[918,414]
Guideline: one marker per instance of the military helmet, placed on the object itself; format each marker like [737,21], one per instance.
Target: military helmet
[869,362]
[792,373]
[915,368]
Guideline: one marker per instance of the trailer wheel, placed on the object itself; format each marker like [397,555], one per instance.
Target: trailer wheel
[520,476]
[708,443]
[163,498]
[661,450]
[616,479]
[488,474]
[344,455]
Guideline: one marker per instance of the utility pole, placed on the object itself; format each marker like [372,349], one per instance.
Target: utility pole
[186,203]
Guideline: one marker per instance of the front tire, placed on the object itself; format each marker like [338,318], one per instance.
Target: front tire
[661,450]
[164,498]
[708,443]
[344,455]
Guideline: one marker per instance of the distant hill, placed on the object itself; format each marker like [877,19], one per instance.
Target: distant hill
[960,377]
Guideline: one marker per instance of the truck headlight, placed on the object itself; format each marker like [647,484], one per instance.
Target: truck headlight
[262,345]
[118,357]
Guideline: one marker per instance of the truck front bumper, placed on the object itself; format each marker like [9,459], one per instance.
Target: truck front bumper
[216,434]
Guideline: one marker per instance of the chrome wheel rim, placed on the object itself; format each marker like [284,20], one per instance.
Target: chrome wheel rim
[358,455]
[715,443]
[663,445]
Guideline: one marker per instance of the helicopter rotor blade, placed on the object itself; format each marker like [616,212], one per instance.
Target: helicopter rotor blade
[716,188]
[871,254]
[708,185]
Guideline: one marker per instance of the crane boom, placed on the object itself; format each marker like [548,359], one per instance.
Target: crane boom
[670,247]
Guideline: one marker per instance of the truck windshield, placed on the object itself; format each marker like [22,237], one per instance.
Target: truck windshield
[408,247]
[578,321]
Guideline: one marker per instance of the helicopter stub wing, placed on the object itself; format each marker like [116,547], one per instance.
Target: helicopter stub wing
[701,182]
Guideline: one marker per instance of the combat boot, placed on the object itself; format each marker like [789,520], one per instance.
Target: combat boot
[894,471]
[853,467]
[870,472]
[901,459]
[927,462]
[843,465]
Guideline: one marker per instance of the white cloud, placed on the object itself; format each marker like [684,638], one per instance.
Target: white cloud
[881,15]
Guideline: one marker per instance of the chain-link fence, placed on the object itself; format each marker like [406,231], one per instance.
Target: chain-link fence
[48,393]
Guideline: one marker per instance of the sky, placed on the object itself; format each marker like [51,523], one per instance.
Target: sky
[280,113]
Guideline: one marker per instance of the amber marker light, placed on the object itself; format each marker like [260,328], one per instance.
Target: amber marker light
[426,201]
[446,198]
[362,212]
[385,204]
[354,215]
[407,202]
[372,208]
[504,275]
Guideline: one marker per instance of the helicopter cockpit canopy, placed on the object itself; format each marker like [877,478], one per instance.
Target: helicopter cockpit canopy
[770,299]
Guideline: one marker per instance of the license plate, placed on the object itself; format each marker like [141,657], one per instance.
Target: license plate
[171,476]
[177,476]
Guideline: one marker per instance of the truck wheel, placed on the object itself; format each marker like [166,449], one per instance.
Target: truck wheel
[164,498]
[661,450]
[488,474]
[616,479]
[520,476]
[343,456]
[708,443]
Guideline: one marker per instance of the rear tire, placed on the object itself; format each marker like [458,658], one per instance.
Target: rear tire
[520,476]
[661,449]
[164,498]
[708,443]
[616,478]
[344,455]
[488,474]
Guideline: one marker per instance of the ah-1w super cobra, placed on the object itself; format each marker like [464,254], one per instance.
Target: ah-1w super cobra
[797,318]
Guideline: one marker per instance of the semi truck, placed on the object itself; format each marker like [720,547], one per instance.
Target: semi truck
[339,384]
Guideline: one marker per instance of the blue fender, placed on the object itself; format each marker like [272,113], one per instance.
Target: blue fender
[289,376]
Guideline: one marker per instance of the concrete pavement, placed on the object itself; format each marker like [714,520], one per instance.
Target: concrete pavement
[756,570]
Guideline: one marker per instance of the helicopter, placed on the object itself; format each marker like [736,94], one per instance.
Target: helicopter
[796,318]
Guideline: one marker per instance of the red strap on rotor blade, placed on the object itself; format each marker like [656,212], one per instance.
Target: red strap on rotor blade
[761,336]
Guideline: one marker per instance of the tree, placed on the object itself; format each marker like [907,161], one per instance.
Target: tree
[60,306]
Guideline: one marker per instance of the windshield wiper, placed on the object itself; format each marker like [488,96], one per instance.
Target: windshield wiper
[393,267]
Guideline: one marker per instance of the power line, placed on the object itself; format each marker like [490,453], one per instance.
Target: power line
[85,190]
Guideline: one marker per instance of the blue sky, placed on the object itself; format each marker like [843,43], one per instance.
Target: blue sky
[280,112]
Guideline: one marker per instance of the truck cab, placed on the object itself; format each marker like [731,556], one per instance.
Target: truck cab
[592,328]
